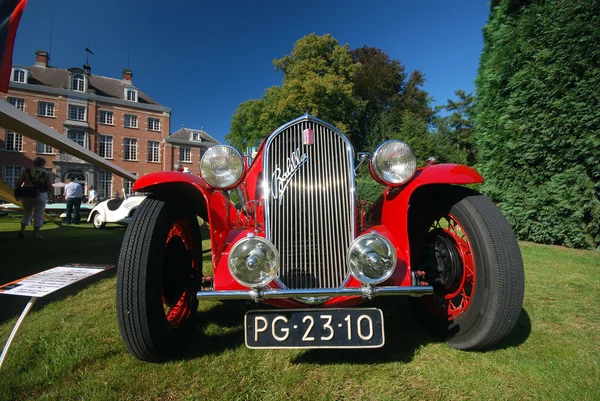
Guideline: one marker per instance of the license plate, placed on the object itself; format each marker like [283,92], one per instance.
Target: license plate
[314,328]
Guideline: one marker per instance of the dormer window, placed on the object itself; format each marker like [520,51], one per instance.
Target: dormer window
[131,95]
[19,75]
[78,83]
[195,136]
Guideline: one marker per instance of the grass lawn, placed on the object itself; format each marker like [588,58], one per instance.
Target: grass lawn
[69,347]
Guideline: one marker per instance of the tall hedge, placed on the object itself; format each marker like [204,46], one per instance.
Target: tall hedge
[538,118]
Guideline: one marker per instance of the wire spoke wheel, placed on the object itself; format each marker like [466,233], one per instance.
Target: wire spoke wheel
[469,254]
[157,277]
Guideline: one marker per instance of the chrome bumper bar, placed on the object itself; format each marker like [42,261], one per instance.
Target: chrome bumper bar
[365,292]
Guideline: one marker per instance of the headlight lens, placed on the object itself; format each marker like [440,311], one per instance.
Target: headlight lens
[253,261]
[393,163]
[371,258]
[222,166]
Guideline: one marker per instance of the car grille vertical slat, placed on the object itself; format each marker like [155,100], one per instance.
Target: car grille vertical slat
[311,223]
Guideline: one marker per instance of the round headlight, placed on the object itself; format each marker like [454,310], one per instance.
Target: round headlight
[371,258]
[222,166]
[393,163]
[253,261]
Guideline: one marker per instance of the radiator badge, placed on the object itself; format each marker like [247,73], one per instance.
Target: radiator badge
[279,180]
[308,137]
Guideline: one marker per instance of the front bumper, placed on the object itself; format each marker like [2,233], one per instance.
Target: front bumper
[368,292]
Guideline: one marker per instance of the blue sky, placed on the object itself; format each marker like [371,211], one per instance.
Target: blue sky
[203,60]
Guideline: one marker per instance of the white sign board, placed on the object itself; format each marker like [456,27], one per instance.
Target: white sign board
[48,281]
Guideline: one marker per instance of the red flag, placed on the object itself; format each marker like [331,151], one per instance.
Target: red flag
[10,15]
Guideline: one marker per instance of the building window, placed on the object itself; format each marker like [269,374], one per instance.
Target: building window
[128,186]
[106,117]
[195,136]
[185,154]
[17,102]
[14,141]
[46,109]
[19,76]
[131,95]
[131,121]
[78,137]
[11,175]
[105,148]
[78,83]
[76,113]
[104,184]
[153,124]
[130,151]
[43,148]
[153,151]
[202,152]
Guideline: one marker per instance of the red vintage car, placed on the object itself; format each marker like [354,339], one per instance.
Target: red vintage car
[299,239]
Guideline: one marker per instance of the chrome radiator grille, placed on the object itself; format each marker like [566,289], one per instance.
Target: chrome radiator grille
[310,205]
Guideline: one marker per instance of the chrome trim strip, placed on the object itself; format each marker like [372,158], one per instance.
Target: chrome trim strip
[366,292]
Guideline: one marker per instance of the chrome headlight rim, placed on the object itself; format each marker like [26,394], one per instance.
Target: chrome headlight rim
[242,174]
[360,276]
[263,241]
[378,176]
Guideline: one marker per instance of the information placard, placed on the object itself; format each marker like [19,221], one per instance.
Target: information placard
[48,281]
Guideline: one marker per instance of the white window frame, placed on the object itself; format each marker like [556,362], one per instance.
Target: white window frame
[78,82]
[43,149]
[105,184]
[44,107]
[18,102]
[11,174]
[18,75]
[14,142]
[154,151]
[132,118]
[106,117]
[153,124]
[130,149]
[72,107]
[186,152]
[131,95]
[195,136]
[72,133]
[128,186]
[105,146]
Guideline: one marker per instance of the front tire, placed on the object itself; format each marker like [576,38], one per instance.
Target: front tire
[467,250]
[97,221]
[157,277]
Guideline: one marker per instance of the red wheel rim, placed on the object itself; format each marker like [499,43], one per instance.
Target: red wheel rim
[457,301]
[178,309]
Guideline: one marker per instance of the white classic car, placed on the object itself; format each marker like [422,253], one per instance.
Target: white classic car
[116,210]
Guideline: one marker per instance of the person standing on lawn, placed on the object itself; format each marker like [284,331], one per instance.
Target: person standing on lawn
[91,194]
[38,178]
[73,194]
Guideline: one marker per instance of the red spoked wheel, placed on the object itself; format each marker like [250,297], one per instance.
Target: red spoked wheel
[179,300]
[157,280]
[464,247]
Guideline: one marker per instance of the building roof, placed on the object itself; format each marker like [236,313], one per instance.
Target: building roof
[187,135]
[59,78]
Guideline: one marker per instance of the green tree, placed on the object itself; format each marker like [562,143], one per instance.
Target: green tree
[538,126]
[317,78]
[458,128]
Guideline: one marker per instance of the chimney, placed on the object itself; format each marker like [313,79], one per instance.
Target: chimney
[127,75]
[41,58]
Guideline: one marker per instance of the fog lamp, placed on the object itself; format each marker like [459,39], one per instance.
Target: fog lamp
[253,261]
[371,258]
[222,166]
[393,163]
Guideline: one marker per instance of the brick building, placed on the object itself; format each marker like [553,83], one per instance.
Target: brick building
[109,116]
[187,146]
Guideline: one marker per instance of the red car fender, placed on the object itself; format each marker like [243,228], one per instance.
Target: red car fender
[394,208]
[217,209]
